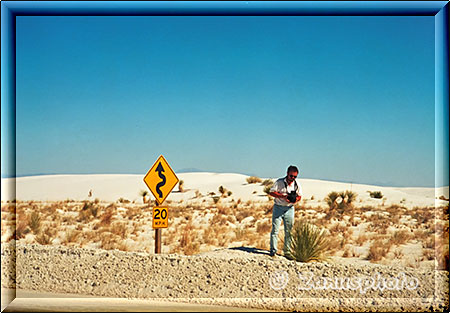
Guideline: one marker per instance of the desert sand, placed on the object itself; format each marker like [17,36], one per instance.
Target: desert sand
[92,235]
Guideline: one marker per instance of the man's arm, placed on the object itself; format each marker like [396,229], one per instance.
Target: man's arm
[277,194]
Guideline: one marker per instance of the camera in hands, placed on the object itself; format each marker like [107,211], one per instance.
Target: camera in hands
[292,196]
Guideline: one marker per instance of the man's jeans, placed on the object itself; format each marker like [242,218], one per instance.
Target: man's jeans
[286,214]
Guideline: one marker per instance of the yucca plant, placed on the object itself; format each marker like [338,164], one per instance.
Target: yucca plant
[308,243]
[331,199]
[35,222]
[144,194]
[181,186]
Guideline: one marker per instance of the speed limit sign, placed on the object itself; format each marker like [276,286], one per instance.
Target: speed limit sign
[160,217]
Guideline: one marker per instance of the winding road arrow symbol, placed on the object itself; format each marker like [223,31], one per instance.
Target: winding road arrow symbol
[160,171]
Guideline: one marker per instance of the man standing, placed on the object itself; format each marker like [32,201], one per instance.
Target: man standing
[286,192]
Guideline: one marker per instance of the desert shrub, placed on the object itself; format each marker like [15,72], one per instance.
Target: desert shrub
[35,222]
[208,235]
[428,254]
[224,210]
[377,250]
[186,236]
[243,214]
[308,243]
[253,180]
[45,237]
[71,235]
[108,242]
[348,253]
[267,182]
[400,237]
[119,228]
[398,254]
[216,199]
[21,229]
[263,227]
[362,238]
[240,233]
[107,216]
[229,193]
[267,188]
[375,194]
[192,248]
[222,190]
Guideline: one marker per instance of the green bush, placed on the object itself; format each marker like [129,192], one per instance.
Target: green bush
[376,194]
[308,243]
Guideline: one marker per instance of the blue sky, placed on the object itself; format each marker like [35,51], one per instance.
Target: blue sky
[343,98]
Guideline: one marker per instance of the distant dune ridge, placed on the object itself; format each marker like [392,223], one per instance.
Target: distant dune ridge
[110,187]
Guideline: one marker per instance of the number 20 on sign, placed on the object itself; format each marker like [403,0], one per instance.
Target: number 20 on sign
[160,217]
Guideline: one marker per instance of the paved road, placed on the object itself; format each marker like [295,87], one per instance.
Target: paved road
[32,301]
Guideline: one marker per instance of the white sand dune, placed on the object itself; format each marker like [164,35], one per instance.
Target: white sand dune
[111,187]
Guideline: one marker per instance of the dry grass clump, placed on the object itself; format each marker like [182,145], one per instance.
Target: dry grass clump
[400,237]
[119,229]
[263,228]
[21,229]
[108,215]
[348,252]
[133,212]
[208,236]
[46,236]
[423,216]
[428,254]
[224,210]
[240,233]
[243,213]
[362,238]
[189,242]
[219,219]
[71,236]
[377,250]
[253,180]
[108,241]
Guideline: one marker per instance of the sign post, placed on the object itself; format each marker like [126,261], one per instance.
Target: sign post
[160,179]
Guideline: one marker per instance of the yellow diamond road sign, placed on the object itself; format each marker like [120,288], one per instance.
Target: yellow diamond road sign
[160,179]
